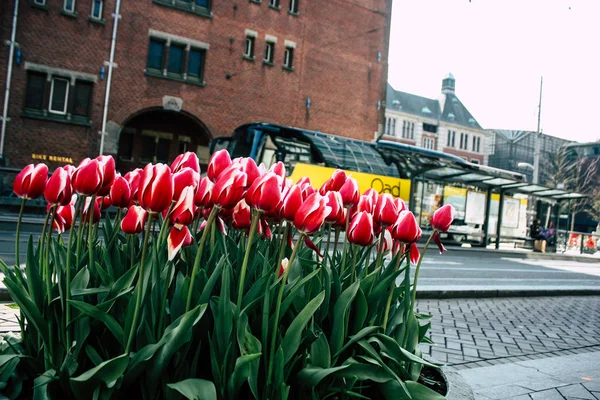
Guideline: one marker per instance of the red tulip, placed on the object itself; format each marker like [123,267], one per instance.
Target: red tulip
[218,221]
[87,179]
[58,189]
[178,237]
[183,178]
[305,180]
[283,267]
[335,183]
[290,203]
[360,230]
[120,192]
[203,195]
[442,218]
[385,213]
[156,188]
[241,217]
[306,189]
[229,188]
[217,164]
[133,178]
[414,253]
[186,160]
[184,210]
[406,229]
[265,193]
[105,203]
[250,168]
[365,203]
[85,216]
[107,171]
[311,215]
[334,200]
[349,192]
[388,243]
[372,194]
[341,222]
[134,221]
[264,229]
[31,181]
[70,169]
[279,169]
[438,241]
[400,204]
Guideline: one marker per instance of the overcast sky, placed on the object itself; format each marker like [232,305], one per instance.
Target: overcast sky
[497,51]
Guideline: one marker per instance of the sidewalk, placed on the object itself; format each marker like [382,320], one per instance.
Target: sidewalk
[574,376]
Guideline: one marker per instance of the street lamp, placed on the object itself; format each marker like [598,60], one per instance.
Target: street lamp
[526,165]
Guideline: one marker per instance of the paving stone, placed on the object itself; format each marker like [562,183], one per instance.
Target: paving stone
[503,392]
[551,394]
[575,392]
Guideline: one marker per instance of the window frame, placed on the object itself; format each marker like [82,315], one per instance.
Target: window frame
[200,76]
[163,44]
[66,107]
[89,100]
[269,53]
[288,57]
[182,59]
[28,86]
[99,16]
[73,3]
[428,140]
[39,2]
[275,4]
[251,41]
[293,7]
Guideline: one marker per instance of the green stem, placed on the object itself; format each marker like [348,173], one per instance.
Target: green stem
[345,242]
[80,230]
[278,309]
[91,233]
[253,226]
[336,240]
[68,279]
[284,240]
[209,222]
[140,283]
[43,237]
[18,233]
[47,271]
[165,223]
[326,253]
[353,249]
[196,222]
[391,295]
[414,294]
[163,303]
[380,251]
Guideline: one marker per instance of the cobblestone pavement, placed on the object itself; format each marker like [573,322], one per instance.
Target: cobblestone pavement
[471,333]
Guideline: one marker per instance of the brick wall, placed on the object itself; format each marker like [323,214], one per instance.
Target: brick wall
[336,66]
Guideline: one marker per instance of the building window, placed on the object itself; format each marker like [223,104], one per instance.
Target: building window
[451,139]
[474,161]
[429,143]
[412,130]
[69,6]
[390,126]
[288,58]
[249,52]
[464,141]
[269,53]
[429,128]
[155,54]
[477,144]
[183,62]
[96,9]
[293,6]
[199,7]
[196,64]
[175,64]
[59,91]
[274,3]
[408,130]
[39,2]
[58,97]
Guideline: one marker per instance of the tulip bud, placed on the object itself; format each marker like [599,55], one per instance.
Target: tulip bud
[107,173]
[96,210]
[283,267]
[156,188]
[229,188]
[64,217]
[291,203]
[349,192]
[183,178]
[178,237]
[265,193]
[133,178]
[438,241]
[86,178]
[184,210]
[360,230]
[365,203]
[335,183]
[70,169]
[186,160]
[202,198]
[219,161]
[264,229]
[400,204]
[58,189]
[442,218]
[414,253]
[388,243]
[385,213]
[311,215]
[241,216]
[371,194]
[105,203]
[31,181]
[334,200]
[406,229]
[120,192]
[251,169]
[279,169]
[134,220]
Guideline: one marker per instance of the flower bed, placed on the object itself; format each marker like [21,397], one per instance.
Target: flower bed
[229,286]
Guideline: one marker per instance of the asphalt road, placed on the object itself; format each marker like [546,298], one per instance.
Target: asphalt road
[457,269]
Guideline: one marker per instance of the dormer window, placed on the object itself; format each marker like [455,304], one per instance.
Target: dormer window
[451,117]
[425,110]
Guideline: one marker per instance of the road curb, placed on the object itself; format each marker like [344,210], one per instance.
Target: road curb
[490,293]
[528,255]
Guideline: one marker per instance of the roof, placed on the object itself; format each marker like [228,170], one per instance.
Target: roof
[412,104]
[453,111]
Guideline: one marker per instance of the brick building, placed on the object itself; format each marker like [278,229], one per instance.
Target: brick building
[443,124]
[186,71]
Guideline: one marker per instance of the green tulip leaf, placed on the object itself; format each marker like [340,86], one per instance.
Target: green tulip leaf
[293,335]
[340,313]
[109,321]
[103,375]
[195,389]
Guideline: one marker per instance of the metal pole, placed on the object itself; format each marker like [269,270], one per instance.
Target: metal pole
[536,154]
[499,224]
[111,61]
[11,51]
[486,223]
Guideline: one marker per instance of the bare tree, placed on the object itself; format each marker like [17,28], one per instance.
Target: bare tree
[577,174]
